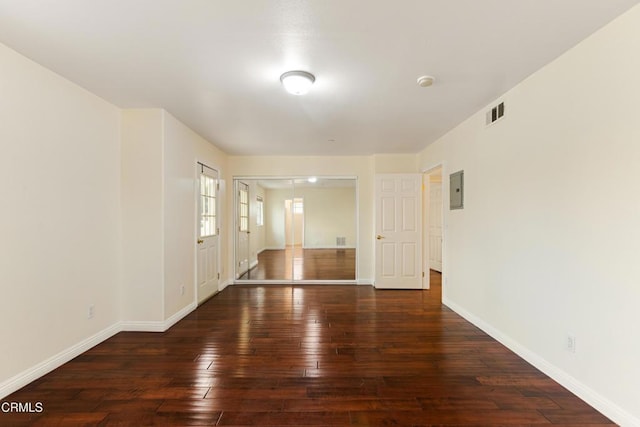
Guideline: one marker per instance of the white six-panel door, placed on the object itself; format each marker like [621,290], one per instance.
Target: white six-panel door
[207,261]
[398,213]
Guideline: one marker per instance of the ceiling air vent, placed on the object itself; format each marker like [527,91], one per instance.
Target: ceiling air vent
[495,114]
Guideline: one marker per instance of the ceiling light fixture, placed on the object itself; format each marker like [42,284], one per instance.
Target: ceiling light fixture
[297,82]
[313,180]
[425,81]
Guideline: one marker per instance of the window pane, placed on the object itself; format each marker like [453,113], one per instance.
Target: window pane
[207,206]
[260,212]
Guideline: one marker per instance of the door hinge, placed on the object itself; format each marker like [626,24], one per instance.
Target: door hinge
[218,186]
[423,274]
[218,276]
[217,231]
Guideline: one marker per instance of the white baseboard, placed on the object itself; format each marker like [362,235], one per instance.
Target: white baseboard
[142,326]
[179,315]
[329,247]
[157,325]
[20,380]
[365,282]
[593,398]
[224,284]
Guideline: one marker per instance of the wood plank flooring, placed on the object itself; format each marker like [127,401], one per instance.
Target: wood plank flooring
[298,356]
[296,263]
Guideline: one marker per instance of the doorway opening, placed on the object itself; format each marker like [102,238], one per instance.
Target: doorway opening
[294,235]
[433,219]
[294,221]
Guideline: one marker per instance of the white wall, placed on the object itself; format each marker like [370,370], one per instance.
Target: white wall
[275,217]
[99,210]
[548,242]
[159,214]
[395,163]
[142,215]
[329,212]
[60,216]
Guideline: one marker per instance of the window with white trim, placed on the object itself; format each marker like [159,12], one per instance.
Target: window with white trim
[244,207]
[208,208]
[259,211]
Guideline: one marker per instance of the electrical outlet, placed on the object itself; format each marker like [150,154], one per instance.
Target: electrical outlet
[571,343]
[181,289]
[90,311]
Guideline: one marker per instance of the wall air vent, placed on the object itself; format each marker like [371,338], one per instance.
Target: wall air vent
[495,114]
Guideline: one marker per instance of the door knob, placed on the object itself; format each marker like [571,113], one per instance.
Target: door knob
[200,241]
[379,237]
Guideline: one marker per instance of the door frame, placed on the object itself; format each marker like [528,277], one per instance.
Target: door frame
[236,227]
[425,223]
[196,222]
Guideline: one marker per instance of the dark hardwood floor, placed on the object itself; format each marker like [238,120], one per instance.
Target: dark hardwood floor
[296,263]
[305,355]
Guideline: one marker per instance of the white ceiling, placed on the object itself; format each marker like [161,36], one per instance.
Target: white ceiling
[215,64]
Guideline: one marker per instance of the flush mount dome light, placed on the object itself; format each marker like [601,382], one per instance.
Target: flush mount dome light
[297,82]
[425,81]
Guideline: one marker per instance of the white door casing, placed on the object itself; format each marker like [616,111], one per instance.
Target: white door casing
[435,226]
[398,211]
[242,230]
[208,276]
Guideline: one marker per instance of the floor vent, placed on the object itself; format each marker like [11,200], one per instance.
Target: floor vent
[495,114]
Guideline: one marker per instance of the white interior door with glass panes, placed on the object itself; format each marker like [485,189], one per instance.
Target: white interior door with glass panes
[242,246]
[208,235]
[398,213]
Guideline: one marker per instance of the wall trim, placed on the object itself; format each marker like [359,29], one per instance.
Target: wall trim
[329,247]
[156,325]
[365,282]
[593,398]
[178,316]
[224,284]
[29,375]
[142,326]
